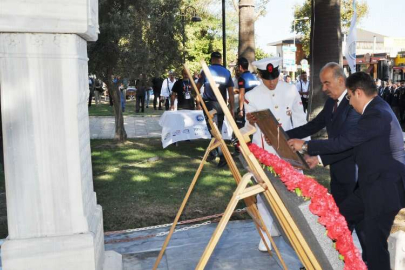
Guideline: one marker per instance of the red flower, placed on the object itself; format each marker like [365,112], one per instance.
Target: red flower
[322,205]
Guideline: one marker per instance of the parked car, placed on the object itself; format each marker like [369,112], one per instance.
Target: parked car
[131,90]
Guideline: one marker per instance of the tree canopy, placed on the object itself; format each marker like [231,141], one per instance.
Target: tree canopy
[303,27]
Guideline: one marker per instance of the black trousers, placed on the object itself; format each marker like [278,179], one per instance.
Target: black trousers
[220,117]
[376,231]
[304,103]
[140,103]
[156,96]
[91,95]
[167,103]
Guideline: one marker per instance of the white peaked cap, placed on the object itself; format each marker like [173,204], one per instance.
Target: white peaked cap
[262,64]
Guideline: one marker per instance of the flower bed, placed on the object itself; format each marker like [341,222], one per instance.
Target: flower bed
[322,204]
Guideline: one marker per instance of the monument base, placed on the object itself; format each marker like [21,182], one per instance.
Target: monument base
[83,251]
[112,261]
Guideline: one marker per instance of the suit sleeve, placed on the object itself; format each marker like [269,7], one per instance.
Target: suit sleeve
[350,124]
[364,131]
[310,128]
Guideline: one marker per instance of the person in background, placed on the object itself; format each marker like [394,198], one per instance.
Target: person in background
[147,95]
[92,89]
[246,82]
[183,92]
[141,87]
[288,79]
[157,87]
[402,101]
[223,79]
[166,90]
[98,91]
[303,89]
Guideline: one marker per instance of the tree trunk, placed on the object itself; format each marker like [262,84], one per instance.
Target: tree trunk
[120,133]
[326,46]
[247,18]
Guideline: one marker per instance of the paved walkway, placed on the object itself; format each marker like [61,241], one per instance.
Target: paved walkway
[103,127]
[236,249]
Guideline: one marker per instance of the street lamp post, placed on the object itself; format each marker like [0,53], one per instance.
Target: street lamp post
[223,35]
[194,18]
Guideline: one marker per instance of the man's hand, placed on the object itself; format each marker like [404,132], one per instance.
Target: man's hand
[251,119]
[312,161]
[240,114]
[296,144]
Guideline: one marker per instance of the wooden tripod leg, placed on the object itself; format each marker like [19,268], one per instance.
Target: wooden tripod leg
[271,240]
[190,189]
[251,204]
[224,221]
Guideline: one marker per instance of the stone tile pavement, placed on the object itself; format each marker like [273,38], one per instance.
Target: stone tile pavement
[135,126]
[236,249]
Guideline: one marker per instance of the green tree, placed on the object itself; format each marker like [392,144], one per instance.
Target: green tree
[303,27]
[104,54]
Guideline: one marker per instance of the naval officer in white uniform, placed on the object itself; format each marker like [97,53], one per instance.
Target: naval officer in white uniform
[285,103]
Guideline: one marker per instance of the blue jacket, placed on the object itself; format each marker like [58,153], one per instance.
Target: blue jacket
[222,77]
[378,149]
[248,81]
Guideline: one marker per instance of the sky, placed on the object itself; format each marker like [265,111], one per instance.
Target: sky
[384,17]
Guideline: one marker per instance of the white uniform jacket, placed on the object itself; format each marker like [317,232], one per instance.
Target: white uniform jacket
[284,102]
[167,86]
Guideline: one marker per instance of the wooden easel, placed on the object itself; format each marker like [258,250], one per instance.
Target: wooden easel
[243,191]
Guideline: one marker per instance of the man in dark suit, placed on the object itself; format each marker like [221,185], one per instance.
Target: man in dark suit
[378,147]
[338,117]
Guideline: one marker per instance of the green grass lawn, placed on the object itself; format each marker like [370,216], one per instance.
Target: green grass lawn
[140,184]
[104,109]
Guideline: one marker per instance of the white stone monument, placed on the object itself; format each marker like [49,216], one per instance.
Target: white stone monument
[54,221]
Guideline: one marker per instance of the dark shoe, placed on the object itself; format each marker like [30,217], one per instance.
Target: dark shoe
[222,163]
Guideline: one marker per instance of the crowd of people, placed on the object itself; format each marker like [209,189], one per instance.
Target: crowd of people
[364,149]
[394,95]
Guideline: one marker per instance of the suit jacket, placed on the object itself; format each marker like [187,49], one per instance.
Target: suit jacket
[378,146]
[342,166]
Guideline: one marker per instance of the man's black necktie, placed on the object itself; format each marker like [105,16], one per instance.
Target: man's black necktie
[335,105]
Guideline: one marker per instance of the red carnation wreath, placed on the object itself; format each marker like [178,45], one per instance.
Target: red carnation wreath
[322,205]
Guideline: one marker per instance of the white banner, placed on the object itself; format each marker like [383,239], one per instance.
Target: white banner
[350,52]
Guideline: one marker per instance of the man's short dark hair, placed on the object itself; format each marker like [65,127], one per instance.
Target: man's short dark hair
[243,62]
[304,73]
[216,55]
[363,81]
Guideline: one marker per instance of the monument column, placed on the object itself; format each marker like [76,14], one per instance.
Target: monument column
[54,221]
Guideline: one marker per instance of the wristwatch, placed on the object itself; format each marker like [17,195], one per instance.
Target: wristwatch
[304,148]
